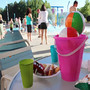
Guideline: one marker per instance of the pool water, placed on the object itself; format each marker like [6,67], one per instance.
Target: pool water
[54,30]
[13,29]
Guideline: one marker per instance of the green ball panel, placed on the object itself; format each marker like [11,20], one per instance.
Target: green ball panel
[77,22]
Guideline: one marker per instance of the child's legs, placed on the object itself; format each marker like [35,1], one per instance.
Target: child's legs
[19,27]
[46,35]
[39,32]
[11,29]
[30,36]
[42,31]
[28,32]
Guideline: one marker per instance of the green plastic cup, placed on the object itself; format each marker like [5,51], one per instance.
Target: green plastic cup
[26,69]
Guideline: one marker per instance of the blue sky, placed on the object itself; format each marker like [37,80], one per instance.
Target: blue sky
[64,3]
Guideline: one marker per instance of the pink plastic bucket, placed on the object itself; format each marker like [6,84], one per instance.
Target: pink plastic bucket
[70,52]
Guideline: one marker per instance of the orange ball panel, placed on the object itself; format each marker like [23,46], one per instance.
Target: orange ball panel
[68,21]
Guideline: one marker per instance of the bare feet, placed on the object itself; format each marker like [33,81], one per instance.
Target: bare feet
[40,43]
[39,36]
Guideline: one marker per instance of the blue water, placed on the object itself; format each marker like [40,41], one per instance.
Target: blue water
[54,30]
[13,29]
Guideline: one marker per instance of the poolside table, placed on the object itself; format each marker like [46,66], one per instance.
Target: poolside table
[53,83]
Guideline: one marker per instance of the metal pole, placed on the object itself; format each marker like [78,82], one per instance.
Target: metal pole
[57,15]
[7,14]
[68,5]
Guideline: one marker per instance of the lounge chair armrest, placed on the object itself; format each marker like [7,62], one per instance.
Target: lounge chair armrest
[5,77]
[18,41]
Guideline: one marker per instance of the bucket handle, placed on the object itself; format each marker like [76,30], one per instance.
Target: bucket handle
[74,51]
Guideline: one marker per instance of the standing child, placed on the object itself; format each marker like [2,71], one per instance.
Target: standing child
[19,22]
[24,24]
[29,23]
[73,8]
[16,22]
[11,25]
[1,27]
[44,20]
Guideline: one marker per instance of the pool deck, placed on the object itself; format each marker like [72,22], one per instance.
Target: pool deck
[37,49]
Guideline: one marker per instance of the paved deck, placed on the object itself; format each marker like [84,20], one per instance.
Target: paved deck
[37,49]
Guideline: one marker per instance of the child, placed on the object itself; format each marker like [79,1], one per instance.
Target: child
[16,22]
[11,25]
[29,20]
[19,21]
[24,24]
[73,8]
[1,27]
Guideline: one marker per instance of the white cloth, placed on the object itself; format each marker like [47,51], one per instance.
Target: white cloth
[43,16]
[39,20]
[1,29]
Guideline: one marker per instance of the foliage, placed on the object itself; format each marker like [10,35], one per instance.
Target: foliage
[86,9]
[1,10]
[19,9]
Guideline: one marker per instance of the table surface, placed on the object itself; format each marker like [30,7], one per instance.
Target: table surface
[46,84]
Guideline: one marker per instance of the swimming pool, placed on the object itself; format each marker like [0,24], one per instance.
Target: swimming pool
[54,30]
[13,29]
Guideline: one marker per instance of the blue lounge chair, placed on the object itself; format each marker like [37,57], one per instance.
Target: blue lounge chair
[12,52]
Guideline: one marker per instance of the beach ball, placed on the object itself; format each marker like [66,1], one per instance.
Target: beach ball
[75,20]
[69,32]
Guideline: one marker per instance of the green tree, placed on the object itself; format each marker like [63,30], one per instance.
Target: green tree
[86,9]
[19,9]
[22,9]
[36,4]
[47,4]
[10,10]
[4,14]
[1,10]
[28,3]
